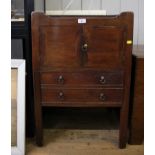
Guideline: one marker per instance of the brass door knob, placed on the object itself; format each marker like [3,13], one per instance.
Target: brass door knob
[85,47]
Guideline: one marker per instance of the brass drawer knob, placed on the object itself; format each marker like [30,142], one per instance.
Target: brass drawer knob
[60,79]
[102,80]
[61,95]
[102,97]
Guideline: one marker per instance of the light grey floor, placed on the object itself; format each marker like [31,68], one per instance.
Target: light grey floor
[81,132]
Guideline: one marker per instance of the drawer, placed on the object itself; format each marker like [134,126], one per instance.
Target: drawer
[83,78]
[60,97]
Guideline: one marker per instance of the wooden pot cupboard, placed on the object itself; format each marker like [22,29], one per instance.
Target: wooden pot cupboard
[82,61]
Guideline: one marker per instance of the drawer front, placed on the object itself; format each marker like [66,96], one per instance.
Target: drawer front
[60,97]
[83,78]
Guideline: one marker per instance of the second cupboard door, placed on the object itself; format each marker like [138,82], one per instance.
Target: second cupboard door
[59,46]
[105,46]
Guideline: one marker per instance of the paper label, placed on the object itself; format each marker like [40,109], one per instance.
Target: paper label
[81,20]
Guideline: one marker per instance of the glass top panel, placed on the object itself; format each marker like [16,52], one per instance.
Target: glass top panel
[17,10]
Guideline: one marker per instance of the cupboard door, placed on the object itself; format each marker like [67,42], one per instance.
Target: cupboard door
[105,46]
[59,46]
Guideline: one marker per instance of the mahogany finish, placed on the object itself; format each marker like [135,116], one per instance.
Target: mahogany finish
[82,78]
[75,97]
[82,65]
